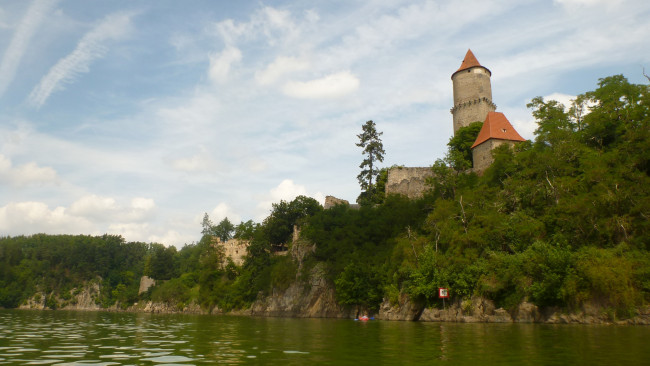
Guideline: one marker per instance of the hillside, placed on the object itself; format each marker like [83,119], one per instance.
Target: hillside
[561,222]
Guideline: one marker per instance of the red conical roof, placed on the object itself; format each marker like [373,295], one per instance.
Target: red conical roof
[470,61]
[497,126]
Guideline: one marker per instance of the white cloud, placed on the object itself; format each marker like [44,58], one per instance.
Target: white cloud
[331,86]
[579,3]
[90,215]
[221,63]
[131,231]
[91,47]
[93,206]
[280,67]
[565,99]
[21,39]
[107,209]
[287,190]
[29,173]
[170,237]
[193,115]
[221,211]
[200,162]
[273,24]
[25,218]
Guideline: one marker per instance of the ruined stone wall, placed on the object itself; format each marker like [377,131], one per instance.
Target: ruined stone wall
[410,182]
[331,201]
[236,249]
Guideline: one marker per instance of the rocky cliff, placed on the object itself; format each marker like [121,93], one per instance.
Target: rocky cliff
[312,299]
[316,298]
[84,298]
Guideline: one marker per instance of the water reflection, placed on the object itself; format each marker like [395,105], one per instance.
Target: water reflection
[78,338]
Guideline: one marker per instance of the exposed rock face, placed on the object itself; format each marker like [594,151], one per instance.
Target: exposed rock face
[164,308]
[315,299]
[476,310]
[86,299]
[36,302]
[404,310]
[79,299]
[145,283]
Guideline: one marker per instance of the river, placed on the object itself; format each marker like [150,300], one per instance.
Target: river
[102,338]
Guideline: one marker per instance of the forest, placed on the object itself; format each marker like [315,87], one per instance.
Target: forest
[561,221]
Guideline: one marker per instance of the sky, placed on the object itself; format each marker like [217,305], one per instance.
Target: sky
[137,117]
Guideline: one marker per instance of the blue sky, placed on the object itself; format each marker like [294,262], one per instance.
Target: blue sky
[136,117]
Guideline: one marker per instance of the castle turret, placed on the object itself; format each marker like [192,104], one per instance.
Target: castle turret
[472,92]
[496,131]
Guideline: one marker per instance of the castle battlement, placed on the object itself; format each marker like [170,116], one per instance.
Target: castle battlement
[471,103]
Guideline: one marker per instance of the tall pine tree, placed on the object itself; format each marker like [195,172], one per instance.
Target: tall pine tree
[373,150]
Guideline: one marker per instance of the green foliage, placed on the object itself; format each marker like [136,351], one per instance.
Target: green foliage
[359,284]
[55,264]
[224,230]
[283,272]
[246,230]
[159,263]
[459,155]
[543,220]
[278,226]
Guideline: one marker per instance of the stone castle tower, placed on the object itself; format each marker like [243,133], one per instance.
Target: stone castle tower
[472,92]
[472,103]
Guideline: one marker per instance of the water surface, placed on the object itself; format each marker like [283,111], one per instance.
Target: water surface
[101,338]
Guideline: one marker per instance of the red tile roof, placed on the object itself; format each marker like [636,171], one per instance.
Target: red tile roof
[470,61]
[497,126]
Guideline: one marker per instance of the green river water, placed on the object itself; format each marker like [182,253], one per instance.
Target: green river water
[101,338]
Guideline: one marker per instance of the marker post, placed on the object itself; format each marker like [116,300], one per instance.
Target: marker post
[443,293]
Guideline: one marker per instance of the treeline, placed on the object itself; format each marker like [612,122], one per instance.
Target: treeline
[58,264]
[560,221]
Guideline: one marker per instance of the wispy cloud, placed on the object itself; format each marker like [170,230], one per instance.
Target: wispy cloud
[91,47]
[331,86]
[220,64]
[20,40]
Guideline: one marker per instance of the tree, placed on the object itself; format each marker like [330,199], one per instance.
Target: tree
[373,149]
[245,230]
[459,155]
[224,230]
[207,225]
[278,226]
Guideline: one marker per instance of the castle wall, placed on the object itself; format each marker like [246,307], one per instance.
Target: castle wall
[331,201]
[482,154]
[236,249]
[472,96]
[410,182]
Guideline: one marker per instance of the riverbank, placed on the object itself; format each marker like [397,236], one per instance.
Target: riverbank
[318,300]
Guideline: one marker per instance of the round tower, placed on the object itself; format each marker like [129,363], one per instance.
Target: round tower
[472,92]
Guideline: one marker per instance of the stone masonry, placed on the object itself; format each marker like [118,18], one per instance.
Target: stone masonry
[410,182]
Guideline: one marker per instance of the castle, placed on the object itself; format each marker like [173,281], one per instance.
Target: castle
[472,103]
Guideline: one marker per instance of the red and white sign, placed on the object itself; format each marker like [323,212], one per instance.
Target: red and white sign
[443,293]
